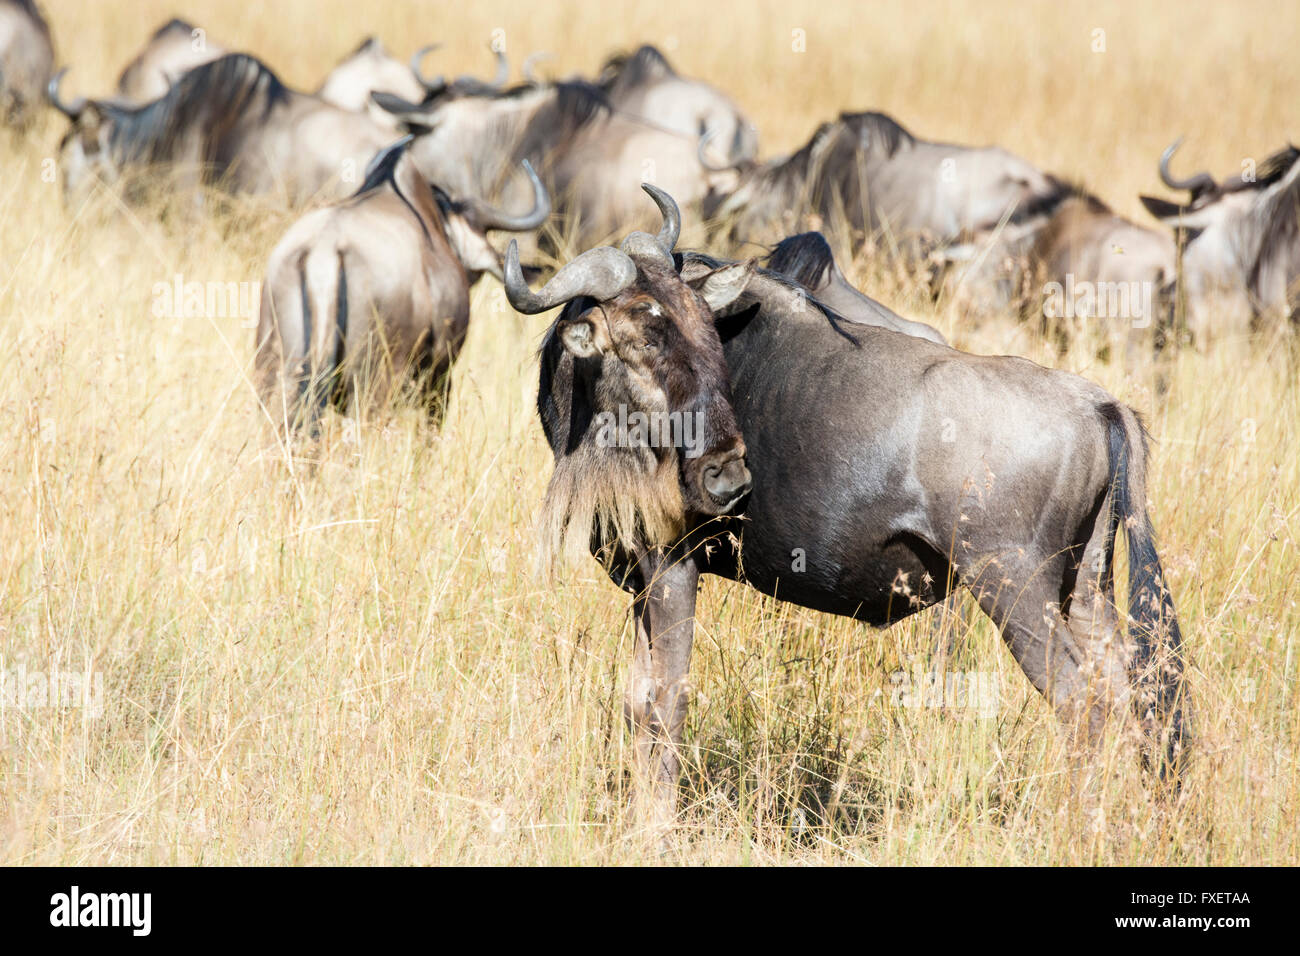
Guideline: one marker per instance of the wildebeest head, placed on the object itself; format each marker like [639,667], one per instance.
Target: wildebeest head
[635,395]
[1241,236]
[468,221]
[84,151]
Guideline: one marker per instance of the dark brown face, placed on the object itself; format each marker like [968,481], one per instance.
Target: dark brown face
[662,380]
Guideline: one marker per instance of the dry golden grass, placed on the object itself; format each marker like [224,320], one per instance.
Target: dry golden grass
[355,664]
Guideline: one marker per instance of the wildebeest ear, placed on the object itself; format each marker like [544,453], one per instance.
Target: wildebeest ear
[585,336]
[1162,209]
[723,286]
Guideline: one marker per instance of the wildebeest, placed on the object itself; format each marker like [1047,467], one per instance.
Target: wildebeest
[358,293]
[1241,239]
[175,48]
[370,69]
[1081,264]
[644,84]
[1092,265]
[865,174]
[844,468]
[231,123]
[591,143]
[26,61]
[807,259]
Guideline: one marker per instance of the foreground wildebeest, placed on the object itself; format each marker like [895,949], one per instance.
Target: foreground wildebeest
[175,48]
[885,470]
[865,174]
[370,69]
[1241,242]
[592,145]
[26,61]
[360,292]
[230,123]
[807,260]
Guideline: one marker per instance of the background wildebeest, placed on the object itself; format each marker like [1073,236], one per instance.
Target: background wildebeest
[1241,243]
[1111,270]
[361,292]
[865,174]
[593,144]
[175,48]
[370,69]
[26,61]
[886,470]
[231,123]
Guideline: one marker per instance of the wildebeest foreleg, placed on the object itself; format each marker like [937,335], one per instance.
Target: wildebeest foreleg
[658,691]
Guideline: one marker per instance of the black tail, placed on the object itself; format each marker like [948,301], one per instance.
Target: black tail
[1157,666]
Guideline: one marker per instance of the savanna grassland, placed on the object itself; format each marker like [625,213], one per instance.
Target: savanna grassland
[352,661]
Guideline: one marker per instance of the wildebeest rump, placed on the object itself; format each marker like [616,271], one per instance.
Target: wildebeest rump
[230,122]
[175,48]
[26,61]
[886,470]
[359,293]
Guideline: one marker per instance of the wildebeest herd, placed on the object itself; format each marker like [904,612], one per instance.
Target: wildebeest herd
[815,445]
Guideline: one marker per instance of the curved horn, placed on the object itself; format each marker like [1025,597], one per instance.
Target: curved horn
[417,58]
[489,218]
[704,159]
[661,246]
[73,110]
[601,273]
[672,225]
[1196,185]
[503,70]
[529,62]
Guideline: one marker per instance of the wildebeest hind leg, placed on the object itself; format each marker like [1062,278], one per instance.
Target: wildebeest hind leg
[1024,601]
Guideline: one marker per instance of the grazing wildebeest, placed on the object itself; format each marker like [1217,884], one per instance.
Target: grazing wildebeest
[26,61]
[230,123]
[807,259]
[1241,242]
[592,145]
[1092,265]
[644,84]
[865,174]
[358,293]
[1081,264]
[845,468]
[175,48]
[369,69]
